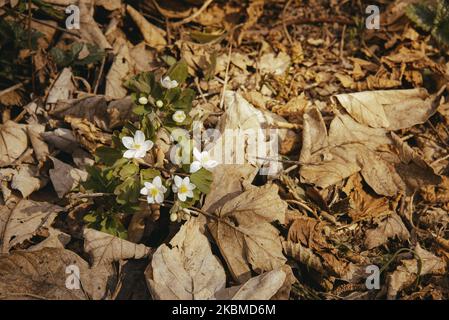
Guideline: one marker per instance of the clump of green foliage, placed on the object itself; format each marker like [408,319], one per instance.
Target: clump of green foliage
[433,17]
[122,175]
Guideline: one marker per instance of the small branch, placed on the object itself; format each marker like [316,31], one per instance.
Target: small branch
[194,15]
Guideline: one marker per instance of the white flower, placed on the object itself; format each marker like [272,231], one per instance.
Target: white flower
[143,100]
[137,146]
[202,160]
[159,103]
[179,116]
[183,187]
[167,83]
[154,190]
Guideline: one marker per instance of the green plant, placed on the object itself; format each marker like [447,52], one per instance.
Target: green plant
[433,17]
[130,171]
[70,57]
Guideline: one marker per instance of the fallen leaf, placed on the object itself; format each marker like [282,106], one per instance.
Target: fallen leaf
[117,73]
[187,270]
[104,248]
[43,275]
[152,35]
[40,148]
[89,29]
[13,142]
[244,233]
[271,64]
[63,87]
[261,287]
[64,177]
[406,273]
[390,109]
[390,227]
[20,221]
[27,180]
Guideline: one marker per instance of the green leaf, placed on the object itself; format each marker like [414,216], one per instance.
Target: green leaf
[148,174]
[128,170]
[107,155]
[202,179]
[90,217]
[141,83]
[100,180]
[184,102]
[204,37]
[422,15]
[128,191]
[178,71]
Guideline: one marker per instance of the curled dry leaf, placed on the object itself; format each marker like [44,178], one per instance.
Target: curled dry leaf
[391,227]
[186,271]
[104,248]
[44,274]
[244,232]
[261,287]
[20,221]
[407,272]
[151,34]
[13,142]
[89,30]
[40,148]
[65,177]
[389,109]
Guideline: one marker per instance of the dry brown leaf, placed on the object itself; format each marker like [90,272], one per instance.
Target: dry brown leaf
[89,29]
[351,147]
[27,180]
[152,35]
[406,273]
[244,233]
[303,255]
[261,287]
[390,109]
[42,275]
[64,177]
[20,221]
[63,87]
[55,239]
[104,248]
[40,148]
[13,142]
[391,227]
[271,64]
[187,270]
[119,70]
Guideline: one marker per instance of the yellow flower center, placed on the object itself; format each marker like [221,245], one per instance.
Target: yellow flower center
[154,192]
[136,146]
[183,188]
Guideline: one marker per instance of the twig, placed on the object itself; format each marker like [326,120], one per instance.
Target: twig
[13,88]
[226,77]
[50,25]
[284,25]
[100,74]
[194,15]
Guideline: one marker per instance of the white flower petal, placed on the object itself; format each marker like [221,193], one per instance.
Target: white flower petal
[128,142]
[147,145]
[139,137]
[159,198]
[174,188]
[148,185]
[144,191]
[157,182]
[163,189]
[129,154]
[197,154]
[189,194]
[186,180]
[182,196]
[195,166]
[178,181]
[150,199]
[140,153]
[210,164]
[191,186]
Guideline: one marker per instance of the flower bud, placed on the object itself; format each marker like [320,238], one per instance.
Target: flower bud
[143,100]
[159,103]
[173,217]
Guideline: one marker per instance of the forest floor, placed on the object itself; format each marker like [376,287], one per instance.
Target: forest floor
[356,205]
